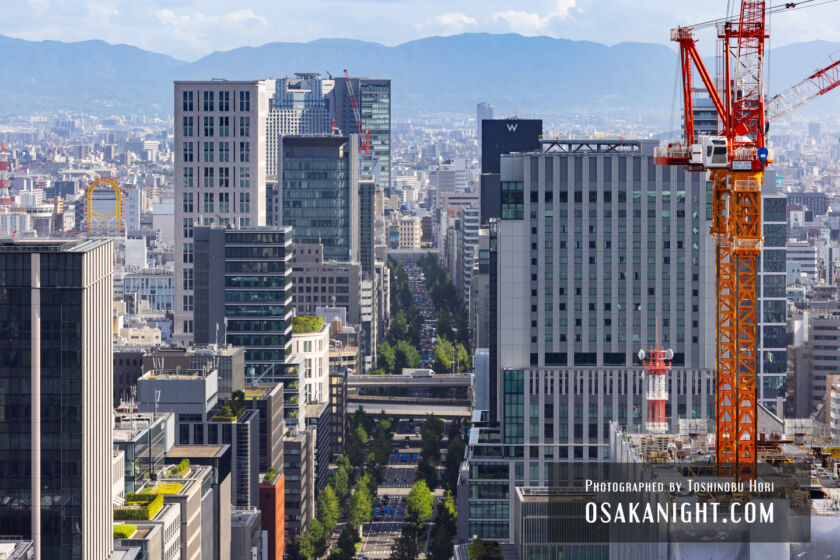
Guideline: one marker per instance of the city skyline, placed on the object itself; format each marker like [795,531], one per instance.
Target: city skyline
[193,30]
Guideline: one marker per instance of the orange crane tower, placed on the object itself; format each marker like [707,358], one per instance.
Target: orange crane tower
[735,161]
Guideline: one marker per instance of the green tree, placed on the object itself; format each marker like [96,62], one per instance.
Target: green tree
[444,326]
[427,472]
[313,541]
[328,509]
[340,482]
[386,357]
[356,446]
[442,355]
[347,540]
[406,548]
[360,505]
[440,545]
[398,324]
[463,358]
[419,504]
[406,356]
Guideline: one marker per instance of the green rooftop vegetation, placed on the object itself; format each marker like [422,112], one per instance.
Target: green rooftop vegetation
[124,530]
[164,487]
[270,476]
[139,507]
[231,410]
[180,468]
[484,550]
[304,325]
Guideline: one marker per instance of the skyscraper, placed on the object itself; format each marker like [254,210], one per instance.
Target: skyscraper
[220,155]
[483,111]
[772,296]
[502,136]
[244,294]
[374,99]
[319,194]
[598,254]
[55,387]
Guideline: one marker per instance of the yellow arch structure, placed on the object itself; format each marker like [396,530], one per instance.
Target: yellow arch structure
[91,214]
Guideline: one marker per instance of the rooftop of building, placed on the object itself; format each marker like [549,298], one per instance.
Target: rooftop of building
[174,374]
[244,516]
[51,245]
[307,325]
[187,451]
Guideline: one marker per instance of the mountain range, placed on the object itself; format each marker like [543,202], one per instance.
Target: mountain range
[525,75]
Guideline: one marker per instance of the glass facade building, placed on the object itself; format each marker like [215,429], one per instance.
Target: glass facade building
[244,294]
[56,365]
[320,193]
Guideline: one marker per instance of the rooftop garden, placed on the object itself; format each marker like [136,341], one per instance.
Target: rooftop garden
[231,410]
[306,325]
[484,550]
[270,476]
[139,507]
[124,530]
[180,468]
[164,487]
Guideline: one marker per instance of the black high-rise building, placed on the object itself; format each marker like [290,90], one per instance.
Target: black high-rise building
[56,376]
[502,136]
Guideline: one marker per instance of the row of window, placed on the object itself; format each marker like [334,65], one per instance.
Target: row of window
[209,100]
[209,152]
[208,199]
[209,126]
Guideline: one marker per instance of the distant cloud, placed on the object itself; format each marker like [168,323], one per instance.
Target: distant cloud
[532,23]
[198,19]
[450,22]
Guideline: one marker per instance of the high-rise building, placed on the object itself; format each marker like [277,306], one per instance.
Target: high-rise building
[319,193]
[598,253]
[55,355]
[373,96]
[772,301]
[483,111]
[502,136]
[220,166]
[299,105]
[243,294]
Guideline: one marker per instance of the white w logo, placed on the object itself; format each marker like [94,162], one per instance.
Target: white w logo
[512,127]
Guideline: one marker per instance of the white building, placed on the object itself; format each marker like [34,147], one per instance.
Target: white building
[801,263]
[220,151]
[311,350]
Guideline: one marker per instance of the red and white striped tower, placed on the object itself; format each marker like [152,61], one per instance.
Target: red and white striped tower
[657,362]
[5,199]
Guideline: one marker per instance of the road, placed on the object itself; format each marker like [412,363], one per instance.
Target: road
[423,302]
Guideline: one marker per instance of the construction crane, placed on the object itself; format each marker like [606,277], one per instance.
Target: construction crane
[363,135]
[735,161]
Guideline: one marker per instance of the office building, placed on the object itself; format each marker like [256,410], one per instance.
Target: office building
[503,136]
[205,500]
[155,286]
[816,202]
[246,533]
[801,263]
[772,302]
[319,193]
[227,360]
[244,294]
[309,105]
[220,154]
[55,354]
[480,292]
[273,509]
[374,99]
[298,106]
[320,283]
[145,439]
[483,111]
[409,232]
[598,253]
[299,470]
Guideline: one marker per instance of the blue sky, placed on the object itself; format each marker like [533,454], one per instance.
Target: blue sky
[189,29]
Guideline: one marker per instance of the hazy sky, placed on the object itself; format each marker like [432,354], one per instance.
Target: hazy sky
[189,29]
